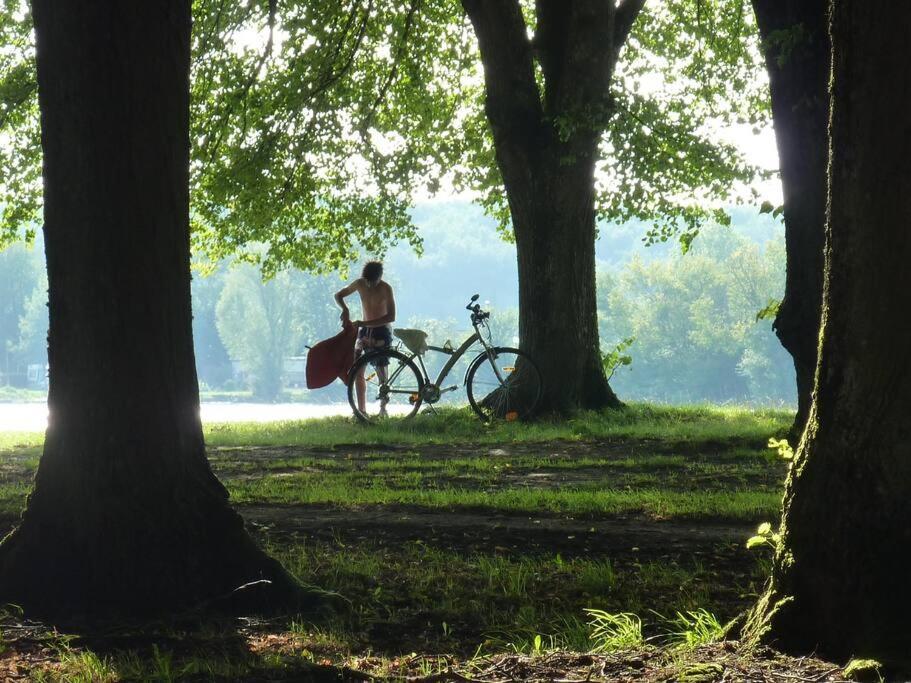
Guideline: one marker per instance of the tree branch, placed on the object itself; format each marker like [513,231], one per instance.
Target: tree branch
[550,41]
[331,76]
[257,70]
[513,102]
[242,94]
[624,17]
[13,105]
[396,59]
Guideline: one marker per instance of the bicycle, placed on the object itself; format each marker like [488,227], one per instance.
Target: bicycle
[501,382]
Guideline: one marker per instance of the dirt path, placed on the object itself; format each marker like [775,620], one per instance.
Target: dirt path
[486,530]
[483,531]
[557,448]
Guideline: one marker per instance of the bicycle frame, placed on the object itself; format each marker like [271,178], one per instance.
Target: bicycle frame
[430,392]
[454,357]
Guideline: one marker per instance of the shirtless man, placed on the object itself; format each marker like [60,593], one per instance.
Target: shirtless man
[378,306]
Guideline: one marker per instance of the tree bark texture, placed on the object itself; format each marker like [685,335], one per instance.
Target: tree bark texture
[126,516]
[546,147]
[840,578]
[797,50]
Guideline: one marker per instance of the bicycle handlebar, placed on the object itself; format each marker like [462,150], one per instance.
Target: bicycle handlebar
[477,315]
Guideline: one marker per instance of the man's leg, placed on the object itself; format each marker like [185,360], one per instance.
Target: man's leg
[381,373]
[360,384]
[360,387]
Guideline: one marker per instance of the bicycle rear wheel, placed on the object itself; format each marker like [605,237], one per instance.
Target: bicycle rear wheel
[504,384]
[393,386]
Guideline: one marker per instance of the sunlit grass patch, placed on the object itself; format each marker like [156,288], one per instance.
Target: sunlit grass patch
[612,632]
[739,505]
[449,426]
[684,463]
[694,628]
[14,441]
[19,394]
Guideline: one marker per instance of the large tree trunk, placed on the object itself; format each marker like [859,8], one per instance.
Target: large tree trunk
[549,176]
[126,515]
[839,581]
[558,319]
[797,50]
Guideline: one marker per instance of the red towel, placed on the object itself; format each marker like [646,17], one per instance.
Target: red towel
[331,358]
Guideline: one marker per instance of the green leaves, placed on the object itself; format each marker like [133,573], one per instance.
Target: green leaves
[782,447]
[689,70]
[20,149]
[765,536]
[263,323]
[786,43]
[617,357]
[768,207]
[358,108]
[314,127]
[769,311]
[693,317]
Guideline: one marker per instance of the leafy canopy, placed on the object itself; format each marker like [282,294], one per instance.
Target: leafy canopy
[316,123]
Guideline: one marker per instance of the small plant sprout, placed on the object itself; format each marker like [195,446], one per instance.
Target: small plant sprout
[617,357]
[612,632]
[764,536]
[863,670]
[783,448]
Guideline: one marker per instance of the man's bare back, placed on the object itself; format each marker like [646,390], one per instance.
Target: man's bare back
[376,302]
[377,299]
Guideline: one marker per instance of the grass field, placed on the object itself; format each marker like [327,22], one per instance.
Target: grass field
[448,536]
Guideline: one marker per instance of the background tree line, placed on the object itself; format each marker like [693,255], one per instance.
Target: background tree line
[23,313]
[692,316]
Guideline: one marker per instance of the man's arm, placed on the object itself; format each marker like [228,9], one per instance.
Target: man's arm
[340,297]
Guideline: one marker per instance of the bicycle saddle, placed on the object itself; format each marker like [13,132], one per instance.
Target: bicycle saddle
[414,340]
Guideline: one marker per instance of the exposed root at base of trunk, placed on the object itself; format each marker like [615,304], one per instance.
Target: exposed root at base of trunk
[221,572]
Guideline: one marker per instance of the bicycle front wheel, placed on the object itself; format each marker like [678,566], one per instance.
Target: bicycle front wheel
[384,384]
[505,384]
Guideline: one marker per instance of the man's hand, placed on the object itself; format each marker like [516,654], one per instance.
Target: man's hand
[357,323]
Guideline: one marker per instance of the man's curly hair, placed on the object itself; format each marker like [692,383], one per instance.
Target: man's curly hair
[373,271]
